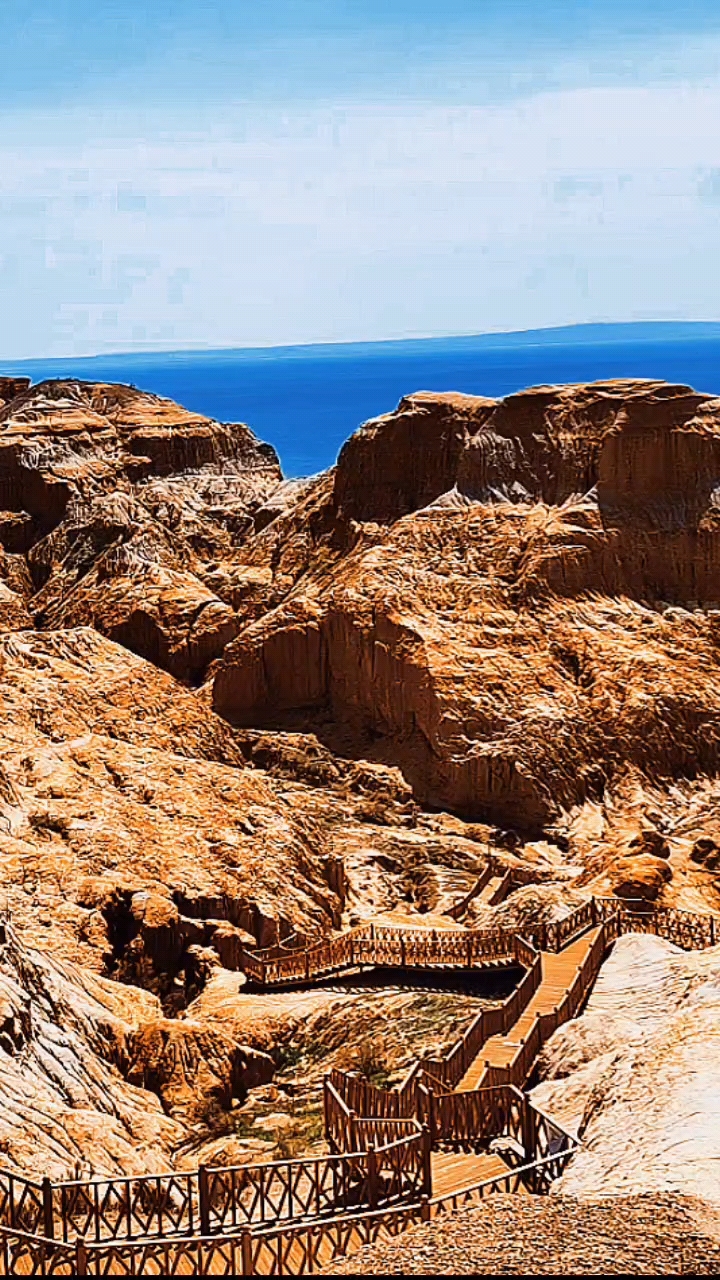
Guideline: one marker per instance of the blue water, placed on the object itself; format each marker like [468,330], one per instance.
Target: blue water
[307,400]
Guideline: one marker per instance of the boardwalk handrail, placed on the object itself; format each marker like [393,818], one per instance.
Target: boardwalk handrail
[389,1133]
[286,1249]
[399,946]
[387,946]
[365,1099]
[389,1162]
[460,907]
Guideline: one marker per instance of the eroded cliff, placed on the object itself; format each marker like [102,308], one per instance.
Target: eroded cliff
[238,709]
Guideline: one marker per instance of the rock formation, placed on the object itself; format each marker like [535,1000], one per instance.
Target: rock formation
[74,1049]
[637,1074]
[239,710]
[500,621]
[122,501]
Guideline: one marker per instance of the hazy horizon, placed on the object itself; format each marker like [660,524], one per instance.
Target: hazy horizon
[596,333]
[225,175]
[306,400]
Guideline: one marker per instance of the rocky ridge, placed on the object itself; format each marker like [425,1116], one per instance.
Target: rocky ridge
[238,709]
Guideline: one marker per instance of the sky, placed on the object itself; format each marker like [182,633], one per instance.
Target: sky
[228,173]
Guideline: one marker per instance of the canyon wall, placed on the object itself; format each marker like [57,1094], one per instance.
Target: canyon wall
[500,621]
[239,711]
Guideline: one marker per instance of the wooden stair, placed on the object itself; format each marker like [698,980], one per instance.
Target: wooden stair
[558,970]
[452,1170]
[487,893]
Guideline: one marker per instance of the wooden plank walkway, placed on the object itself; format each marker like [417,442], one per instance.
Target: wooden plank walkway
[453,1170]
[487,893]
[558,970]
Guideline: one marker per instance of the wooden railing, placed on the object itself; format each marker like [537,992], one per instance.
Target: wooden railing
[382,946]
[305,1250]
[285,1249]
[24,1204]
[544,1025]
[390,1163]
[261,1217]
[453,1118]
[554,935]
[489,1022]
[469,1120]
[346,1096]
[25,1253]
[687,929]
[397,947]
[460,907]
[125,1208]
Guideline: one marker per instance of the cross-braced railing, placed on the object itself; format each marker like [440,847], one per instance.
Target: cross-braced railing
[286,1217]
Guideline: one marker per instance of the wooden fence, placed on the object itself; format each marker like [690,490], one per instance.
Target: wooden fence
[391,1163]
[382,946]
[453,1118]
[346,1096]
[489,1022]
[491,869]
[687,929]
[285,1217]
[288,1249]
[402,948]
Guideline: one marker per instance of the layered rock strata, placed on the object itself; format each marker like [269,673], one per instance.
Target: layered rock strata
[120,499]
[503,621]
[239,710]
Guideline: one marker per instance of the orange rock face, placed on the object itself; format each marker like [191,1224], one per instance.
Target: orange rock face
[122,501]
[237,709]
[511,644]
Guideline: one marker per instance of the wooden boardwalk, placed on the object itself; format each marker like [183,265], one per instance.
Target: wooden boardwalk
[489,894]
[431,1146]
[453,1170]
[558,972]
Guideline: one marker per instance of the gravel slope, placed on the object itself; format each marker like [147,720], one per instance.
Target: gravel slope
[519,1235]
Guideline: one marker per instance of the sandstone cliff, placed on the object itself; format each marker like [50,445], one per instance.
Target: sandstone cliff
[637,1074]
[238,710]
[122,501]
[500,621]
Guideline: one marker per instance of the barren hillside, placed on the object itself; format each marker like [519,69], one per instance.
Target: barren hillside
[238,710]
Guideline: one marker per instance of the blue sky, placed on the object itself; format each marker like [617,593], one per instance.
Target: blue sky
[226,173]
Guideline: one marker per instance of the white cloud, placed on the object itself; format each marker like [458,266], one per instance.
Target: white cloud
[358,222]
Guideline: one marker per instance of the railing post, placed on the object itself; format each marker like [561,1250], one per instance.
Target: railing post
[246,1252]
[204,1200]
[528,1129]
[426,1161]
[48,1216]
[469,949]
[80,1257]
[372,1176]
[424,1209]
[307,965]
[402,951]
[432,1117]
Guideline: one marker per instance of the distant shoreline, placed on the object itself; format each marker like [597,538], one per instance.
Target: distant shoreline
[575,335]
